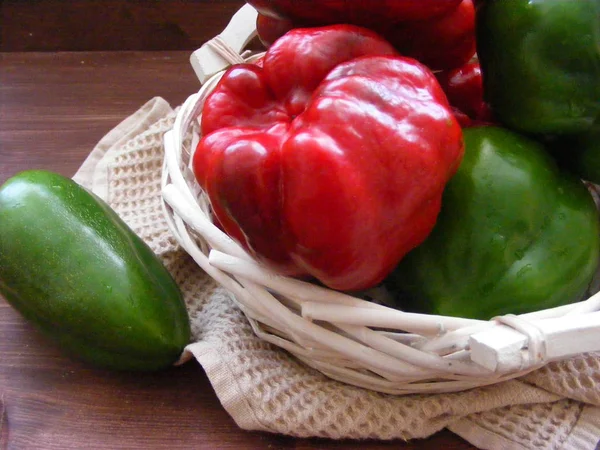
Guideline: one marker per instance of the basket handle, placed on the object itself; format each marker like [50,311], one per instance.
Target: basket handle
[518,343]
[225,48]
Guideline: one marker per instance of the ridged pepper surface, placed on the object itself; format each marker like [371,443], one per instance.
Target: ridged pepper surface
[329,161]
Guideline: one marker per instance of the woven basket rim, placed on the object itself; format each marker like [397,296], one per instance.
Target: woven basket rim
[342,336]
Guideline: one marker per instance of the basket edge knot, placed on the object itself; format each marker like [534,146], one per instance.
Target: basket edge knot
[536,338]
[223,49]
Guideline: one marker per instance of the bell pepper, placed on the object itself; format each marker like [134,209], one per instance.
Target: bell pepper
[329,161]
[442,42]
[440,34]
[269,28]
[464,88]
[541,64]
[515,234]
[380,13]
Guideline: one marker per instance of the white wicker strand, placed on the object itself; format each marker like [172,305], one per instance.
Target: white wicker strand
[254,316]
[424,386]
[293,347]
[344,346]
[414,340]
[299,290]
[459,338]
[536,338]
[366,356]
[390,318]
[414,323]
[257,319]
[189,212]
[346,309]
[417,358]
[173,142]
[286,316]
[223,49]
[241,295]
[589,305]
[505,349]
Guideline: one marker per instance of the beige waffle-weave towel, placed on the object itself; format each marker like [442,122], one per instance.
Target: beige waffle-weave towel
[264,388]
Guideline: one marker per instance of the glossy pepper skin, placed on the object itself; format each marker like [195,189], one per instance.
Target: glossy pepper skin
[541,63]
[441,42]
[331,163]
[464,88]
[379,13]
[515,235]
[439,34]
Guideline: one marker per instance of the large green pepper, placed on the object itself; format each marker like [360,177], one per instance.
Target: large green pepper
[541,63]
[541,72]
[73,268]
[515,234]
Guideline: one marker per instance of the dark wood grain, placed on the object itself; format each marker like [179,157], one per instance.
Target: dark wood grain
[54,107]
[57,106]
[94,25]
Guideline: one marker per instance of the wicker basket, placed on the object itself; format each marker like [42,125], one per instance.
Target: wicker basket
[358,342]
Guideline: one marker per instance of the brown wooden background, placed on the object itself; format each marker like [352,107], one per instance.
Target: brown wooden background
[91,25]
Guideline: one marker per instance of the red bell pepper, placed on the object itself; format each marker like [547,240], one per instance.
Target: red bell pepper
[380,13]
[464,88]
[442,42]
[440,34]
[329,161]
[269,28]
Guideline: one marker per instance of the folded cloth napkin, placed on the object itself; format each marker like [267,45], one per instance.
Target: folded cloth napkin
[264,388]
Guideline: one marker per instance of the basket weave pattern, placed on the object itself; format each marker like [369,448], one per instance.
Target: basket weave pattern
[347,338]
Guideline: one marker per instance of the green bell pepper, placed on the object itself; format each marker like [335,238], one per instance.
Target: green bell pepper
[579,153]
[540,62]
[515,234]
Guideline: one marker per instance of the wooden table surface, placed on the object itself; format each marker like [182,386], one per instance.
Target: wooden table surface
[54,107]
